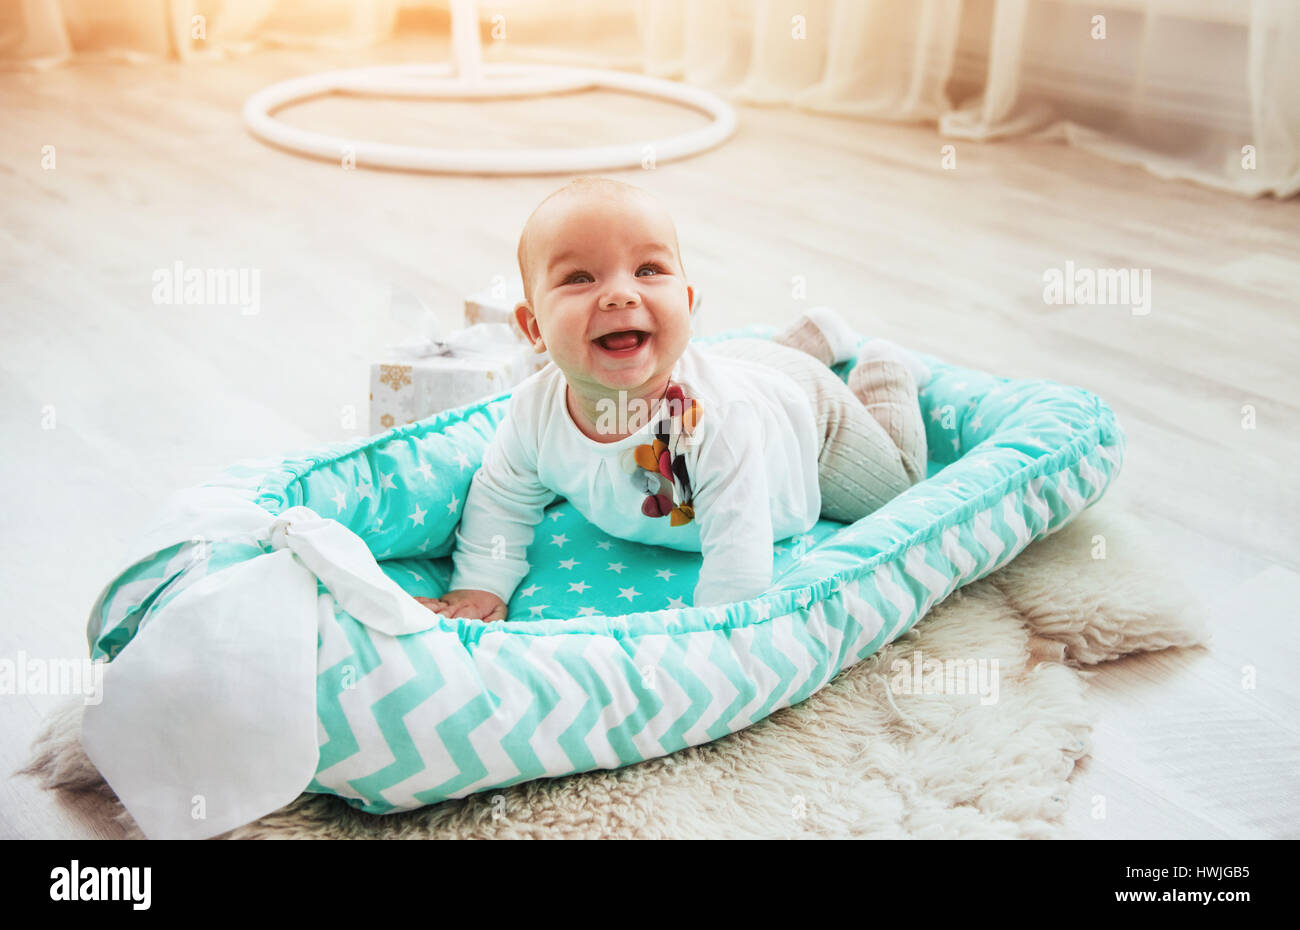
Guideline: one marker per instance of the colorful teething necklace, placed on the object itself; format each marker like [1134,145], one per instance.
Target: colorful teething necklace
[651,464]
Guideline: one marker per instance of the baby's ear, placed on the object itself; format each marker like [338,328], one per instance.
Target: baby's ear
[527,324]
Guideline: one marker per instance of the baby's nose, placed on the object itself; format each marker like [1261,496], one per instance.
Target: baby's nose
[618,301]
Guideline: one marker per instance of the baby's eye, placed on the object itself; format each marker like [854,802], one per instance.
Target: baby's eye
[572,279]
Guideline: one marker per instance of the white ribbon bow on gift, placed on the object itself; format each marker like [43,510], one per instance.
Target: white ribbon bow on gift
[482,340]
[479,340]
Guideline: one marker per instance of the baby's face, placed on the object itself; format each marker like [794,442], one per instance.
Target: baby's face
[601,267]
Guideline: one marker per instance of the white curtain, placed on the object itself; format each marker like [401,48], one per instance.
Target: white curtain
[1203,90]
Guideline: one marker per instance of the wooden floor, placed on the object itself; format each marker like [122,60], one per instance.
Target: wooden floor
[153,167]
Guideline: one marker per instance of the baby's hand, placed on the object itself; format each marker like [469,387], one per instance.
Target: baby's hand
[469,603]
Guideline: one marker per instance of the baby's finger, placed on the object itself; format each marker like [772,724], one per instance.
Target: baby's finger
[498,613]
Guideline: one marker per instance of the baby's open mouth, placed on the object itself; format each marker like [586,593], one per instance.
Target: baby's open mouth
[622,341]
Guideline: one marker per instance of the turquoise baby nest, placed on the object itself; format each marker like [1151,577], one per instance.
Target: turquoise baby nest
[604,662]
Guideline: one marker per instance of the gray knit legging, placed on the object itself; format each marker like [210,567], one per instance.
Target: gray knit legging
[873,445]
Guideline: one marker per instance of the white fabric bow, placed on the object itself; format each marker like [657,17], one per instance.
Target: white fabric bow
[345,565]
[207,719]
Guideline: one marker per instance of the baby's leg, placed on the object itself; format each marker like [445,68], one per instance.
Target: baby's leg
[888,393]
[859,467]
[882,380]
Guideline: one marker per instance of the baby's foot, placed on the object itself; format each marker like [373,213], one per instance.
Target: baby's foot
[881,348]
[822,333]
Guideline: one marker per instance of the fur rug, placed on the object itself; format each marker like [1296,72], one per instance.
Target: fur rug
[859,758]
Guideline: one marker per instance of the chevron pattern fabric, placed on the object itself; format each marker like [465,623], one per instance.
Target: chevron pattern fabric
[604,663]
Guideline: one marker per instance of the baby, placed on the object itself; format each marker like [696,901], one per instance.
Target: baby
[718,448]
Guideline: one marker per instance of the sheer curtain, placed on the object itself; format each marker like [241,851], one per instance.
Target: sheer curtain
[1202,90]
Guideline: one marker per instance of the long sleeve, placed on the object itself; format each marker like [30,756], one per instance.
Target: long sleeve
[505,503]
[734,511]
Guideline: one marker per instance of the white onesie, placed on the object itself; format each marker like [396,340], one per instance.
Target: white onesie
[752,462]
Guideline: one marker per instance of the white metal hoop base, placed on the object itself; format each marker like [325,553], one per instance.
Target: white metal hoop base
[440,81]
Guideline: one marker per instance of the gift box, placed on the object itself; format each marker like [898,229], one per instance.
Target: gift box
[420,379]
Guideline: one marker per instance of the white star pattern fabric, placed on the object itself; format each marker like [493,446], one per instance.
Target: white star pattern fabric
[574,588]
